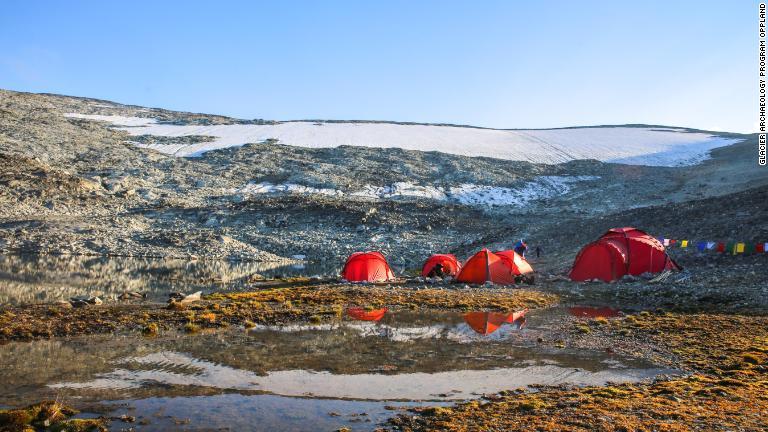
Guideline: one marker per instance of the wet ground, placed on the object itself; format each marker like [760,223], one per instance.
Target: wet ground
[48,278]
[304,377]
[304,354]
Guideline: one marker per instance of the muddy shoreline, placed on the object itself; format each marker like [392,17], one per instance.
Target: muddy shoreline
[295,301]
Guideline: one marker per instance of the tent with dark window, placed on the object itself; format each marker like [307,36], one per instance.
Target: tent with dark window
[367,267]
[619,252]
[448,265]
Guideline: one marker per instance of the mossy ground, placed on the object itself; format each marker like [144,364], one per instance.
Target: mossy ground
[726,356]
[268,306]
[727,389]
[47,416]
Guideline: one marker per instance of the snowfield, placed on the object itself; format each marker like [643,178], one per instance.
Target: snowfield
[541,187]
[630,145]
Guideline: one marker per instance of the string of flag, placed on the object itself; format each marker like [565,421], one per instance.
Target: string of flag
[721,247]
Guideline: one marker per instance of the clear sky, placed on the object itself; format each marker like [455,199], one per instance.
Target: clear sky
[506,64]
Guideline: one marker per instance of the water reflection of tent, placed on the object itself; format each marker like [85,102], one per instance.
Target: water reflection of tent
[366,315]
[486,323]
[593,312]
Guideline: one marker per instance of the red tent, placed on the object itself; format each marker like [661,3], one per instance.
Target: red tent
[486,266]
[450,264]
[366,315]
[518,264]
[619,252]
[367,267]
[486,323]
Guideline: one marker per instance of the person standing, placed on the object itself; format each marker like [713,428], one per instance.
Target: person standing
[520,248]
[538,251]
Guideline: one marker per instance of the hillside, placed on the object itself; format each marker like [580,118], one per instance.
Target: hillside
[267,190]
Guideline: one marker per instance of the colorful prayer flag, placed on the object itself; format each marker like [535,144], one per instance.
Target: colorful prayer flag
[728,247]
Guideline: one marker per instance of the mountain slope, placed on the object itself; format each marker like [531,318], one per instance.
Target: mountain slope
[82,186]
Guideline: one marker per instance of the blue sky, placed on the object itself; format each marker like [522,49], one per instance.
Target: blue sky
[507,64]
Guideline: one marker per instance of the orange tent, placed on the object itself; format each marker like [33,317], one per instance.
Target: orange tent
[486,266]
[619,252]
[366,315]
[450,264]
[518,264]
[486,323]
[367,267]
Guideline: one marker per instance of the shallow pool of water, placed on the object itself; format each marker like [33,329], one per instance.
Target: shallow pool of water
[48,278]
[304,377]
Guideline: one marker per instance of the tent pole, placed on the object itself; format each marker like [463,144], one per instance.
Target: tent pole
[487,266]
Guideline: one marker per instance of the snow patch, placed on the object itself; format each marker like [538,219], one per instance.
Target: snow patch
[542,187]
[291,188]
[468,194]
[401,189]
[636,145]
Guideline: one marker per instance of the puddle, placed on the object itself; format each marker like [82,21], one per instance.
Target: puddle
[268,413]
[594,312]
[293,377]
[48,278]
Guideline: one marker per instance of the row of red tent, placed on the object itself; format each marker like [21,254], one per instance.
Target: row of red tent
[502,267]
[618,252]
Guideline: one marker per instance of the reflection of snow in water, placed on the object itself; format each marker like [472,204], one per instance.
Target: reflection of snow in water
[461,333]
[172,368]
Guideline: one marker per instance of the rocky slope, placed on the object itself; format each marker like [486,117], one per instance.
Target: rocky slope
[80,186]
